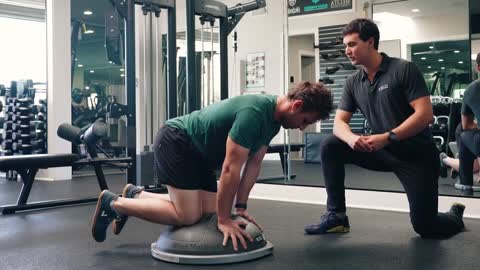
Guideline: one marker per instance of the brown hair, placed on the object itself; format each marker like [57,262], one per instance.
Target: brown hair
[365,29]
[315,96]
[478,59]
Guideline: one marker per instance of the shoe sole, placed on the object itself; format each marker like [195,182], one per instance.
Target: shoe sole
[339,229]
[97,213]
[115,227]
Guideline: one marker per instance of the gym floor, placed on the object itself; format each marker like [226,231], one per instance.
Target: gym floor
[60,238]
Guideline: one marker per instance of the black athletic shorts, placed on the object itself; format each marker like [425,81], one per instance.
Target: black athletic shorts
[179,164]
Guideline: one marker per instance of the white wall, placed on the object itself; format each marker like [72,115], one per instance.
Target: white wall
[451,26]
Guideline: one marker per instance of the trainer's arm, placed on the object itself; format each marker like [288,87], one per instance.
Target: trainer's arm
[418,121]
[341,127]
[250,174]
[468,122]
[236,156]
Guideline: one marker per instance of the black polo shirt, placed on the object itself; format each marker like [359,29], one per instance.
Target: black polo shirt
[385,102]
[471,100]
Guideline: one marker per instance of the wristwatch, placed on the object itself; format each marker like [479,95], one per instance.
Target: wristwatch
[392,137]
[241,206]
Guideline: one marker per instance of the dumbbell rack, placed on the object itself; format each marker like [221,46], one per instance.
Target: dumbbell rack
[24,124]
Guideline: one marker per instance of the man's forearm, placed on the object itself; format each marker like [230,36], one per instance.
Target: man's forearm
[342,131]
[249,177]
[412,125]
[229,182]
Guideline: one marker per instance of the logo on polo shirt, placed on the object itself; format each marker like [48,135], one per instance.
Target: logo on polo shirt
[383,87]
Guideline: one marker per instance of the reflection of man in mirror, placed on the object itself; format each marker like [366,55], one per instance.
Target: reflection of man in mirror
[392,95]
[469,139]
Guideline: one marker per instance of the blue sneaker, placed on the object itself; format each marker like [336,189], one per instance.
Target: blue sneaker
[129,191]
[103,216]
[329,223]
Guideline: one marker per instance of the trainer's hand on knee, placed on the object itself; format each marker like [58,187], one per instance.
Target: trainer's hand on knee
[233,229]
[245,215]
[360,143]
[377,141]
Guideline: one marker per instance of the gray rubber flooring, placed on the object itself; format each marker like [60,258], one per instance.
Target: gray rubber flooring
[60,239]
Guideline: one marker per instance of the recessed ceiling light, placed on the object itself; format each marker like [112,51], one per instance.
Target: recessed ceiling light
[440,60]
[122,75]
[76,59]
[87,12]
[460,62]
[456,51]
[87,87]
[415,10]
[442,67]
[110,62]
[80,65]
[122,69]
[424,58]
[89,31]
[429,67]
[92,71]
[430,47]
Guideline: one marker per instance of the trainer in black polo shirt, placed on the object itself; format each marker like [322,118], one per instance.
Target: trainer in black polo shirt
[392,95]
[469,139]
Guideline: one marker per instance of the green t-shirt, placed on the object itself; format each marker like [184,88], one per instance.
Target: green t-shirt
[248,120]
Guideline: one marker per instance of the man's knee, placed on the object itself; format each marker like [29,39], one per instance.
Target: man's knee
[331,144]
[184,219]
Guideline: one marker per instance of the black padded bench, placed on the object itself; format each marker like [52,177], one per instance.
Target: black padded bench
[28,166]
[282,150]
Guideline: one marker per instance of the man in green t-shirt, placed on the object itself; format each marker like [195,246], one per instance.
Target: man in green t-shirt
[229,134]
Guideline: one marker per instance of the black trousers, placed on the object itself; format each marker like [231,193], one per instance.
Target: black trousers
[469,149]
[417,167]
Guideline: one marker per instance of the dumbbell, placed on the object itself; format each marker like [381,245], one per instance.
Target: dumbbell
[7,135]
[9,108]
[24,102]
[8,125]
[23,117]
[18,147]
[7,144]
[23,136]
[41,117]
[25,111]
[21,125]
[12,101]
[4,152]
[3,90]
[9,117]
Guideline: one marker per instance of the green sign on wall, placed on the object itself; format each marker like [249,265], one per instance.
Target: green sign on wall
[304,7]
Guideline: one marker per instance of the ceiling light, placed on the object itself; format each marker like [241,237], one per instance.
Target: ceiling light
[430,47]
[415,10]
[424,58]
[390,17]
[87,87]
[122,75]
[89,31]
[110,62]
[456,51]
[440,60]
[92,71]
[460,62]
[122,69]
[87,12]
[442,67]
[80,65]
[429,67]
